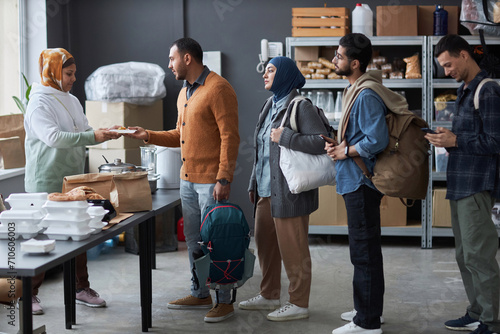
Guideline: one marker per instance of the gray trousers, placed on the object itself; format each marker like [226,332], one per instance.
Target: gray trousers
[476,242]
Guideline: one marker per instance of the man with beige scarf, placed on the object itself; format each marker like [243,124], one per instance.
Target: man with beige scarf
[362,132]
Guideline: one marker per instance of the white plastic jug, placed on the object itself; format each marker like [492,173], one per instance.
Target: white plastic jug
[362,20]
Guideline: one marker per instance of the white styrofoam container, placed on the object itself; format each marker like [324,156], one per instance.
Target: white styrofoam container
[64,233]
[96,214]
[66,208]
[26,200]
[79,223]
[21,217]
[23,230]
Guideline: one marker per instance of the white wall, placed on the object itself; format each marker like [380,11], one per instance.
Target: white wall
[9,56]
[34,36]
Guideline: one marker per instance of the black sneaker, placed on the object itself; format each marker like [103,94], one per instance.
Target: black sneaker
[465,323]
[482,329]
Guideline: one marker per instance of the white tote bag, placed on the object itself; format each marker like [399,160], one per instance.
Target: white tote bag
[304,171]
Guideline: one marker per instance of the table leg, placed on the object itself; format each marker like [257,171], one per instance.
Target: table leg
[69,293]
[26,311]
[153,243]
[145,273]
[73,291]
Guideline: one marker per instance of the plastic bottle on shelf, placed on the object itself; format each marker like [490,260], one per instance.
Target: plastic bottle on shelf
[362,20]
[329,107]
[440,21]
[338,106]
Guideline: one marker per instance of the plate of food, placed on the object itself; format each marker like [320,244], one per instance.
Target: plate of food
[122,129]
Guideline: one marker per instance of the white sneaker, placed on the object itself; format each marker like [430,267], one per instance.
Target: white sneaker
[289,312]
[353,328]
[259,303]
[348,316]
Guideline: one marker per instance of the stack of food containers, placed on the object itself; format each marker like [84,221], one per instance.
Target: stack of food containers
[67,219]
[24,217]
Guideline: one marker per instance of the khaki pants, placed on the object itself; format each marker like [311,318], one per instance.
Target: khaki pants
[82,275]
[283,239]
[476,243]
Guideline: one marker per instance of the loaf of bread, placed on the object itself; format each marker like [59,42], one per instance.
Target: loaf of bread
[317,76]
[306,70]
[314,64]
[324,71]
[325,62]
[77,195]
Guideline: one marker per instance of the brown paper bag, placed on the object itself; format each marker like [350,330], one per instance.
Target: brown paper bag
[131,192]
[12,125]
[102,183]
[12,152]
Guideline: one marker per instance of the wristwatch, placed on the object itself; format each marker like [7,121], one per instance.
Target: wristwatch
[346,151]
[223,182]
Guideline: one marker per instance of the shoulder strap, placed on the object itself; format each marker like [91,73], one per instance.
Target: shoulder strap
[293,118]
[361,164]
[293,115]
[478,91]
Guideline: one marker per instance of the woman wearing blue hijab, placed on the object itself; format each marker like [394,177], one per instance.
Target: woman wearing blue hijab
[282,218]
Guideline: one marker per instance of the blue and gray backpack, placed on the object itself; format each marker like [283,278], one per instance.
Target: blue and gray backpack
[227,262]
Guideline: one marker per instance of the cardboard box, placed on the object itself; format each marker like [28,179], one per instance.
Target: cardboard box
[313,53]
[332,210]
[441,214]
[397,21]
[128,155]
[306,53]
[426,19]
[104,115]
[392,212]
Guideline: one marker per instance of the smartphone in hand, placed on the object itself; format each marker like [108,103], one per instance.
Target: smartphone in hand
[427,130]
[329,140]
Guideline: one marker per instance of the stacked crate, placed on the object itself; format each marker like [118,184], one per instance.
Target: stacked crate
[320,21]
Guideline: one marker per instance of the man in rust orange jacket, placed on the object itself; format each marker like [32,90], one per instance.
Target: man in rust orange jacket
[207,132]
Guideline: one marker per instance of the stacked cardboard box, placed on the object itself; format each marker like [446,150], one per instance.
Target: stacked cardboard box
[441,214]
[105,115]
[332,210]
[412,20]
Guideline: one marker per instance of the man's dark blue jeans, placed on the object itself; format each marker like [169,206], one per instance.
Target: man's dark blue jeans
[363,220]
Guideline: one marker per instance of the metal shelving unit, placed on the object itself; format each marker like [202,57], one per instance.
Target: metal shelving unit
[419,41]
[433,84]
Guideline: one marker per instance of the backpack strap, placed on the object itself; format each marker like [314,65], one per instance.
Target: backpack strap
[361,164]
[478,91]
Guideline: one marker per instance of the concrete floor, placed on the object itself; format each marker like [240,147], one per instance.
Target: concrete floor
[423,289]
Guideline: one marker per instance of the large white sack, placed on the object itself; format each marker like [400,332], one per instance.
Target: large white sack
[132,82]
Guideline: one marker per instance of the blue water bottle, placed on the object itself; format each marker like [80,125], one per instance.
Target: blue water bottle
[440,21]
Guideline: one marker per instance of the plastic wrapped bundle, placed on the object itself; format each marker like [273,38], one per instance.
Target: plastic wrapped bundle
[132,82]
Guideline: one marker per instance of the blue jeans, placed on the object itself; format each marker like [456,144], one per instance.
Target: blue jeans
[363,220]
[195,197]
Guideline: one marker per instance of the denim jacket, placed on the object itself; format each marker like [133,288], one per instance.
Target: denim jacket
[367,131]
